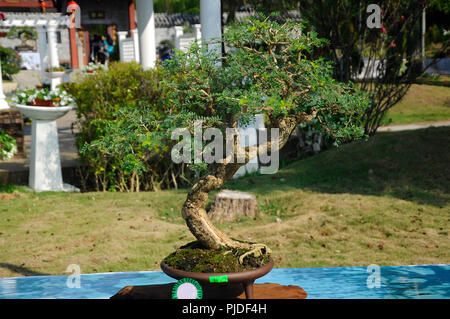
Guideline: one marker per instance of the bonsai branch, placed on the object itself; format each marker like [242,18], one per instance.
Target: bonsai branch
[194,209]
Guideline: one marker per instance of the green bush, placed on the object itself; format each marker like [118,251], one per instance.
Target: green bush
[8,146]
[11,62]
[22,33]
[118,140]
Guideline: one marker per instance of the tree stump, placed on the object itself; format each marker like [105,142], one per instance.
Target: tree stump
[230,205]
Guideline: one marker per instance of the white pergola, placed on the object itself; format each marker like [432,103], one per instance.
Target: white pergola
[46,29]
[211,24]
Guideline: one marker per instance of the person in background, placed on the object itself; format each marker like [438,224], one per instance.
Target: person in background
[96,47]
[108,47]
[165,50]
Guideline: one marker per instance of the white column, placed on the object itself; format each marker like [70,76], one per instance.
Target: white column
[53,59]
[43,55]
[178,35]
[3,104]
[198,33]
[211,21]
[137,54]
[146,28]
[45,163]
[52,46]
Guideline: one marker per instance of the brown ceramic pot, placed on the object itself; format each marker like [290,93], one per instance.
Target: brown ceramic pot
[246,278]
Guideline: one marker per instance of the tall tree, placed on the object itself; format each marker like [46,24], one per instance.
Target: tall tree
[385,59]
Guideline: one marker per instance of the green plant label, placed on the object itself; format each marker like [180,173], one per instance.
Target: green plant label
[218,279]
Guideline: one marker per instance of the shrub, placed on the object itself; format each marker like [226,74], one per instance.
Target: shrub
[11,62]
[8,146]
[22,33]
[118,139]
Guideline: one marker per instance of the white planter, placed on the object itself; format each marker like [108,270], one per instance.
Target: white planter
[55,75]
[55,78]
[43,113]
[45,163]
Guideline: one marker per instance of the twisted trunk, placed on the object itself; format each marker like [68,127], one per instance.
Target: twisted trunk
[195,214]
[194,209]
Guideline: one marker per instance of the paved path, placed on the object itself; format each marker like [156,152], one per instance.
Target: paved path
[412,126]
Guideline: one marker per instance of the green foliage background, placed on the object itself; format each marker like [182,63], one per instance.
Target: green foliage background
[119,136]
[11,62]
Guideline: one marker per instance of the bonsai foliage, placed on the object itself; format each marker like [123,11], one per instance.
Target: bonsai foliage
[269,68]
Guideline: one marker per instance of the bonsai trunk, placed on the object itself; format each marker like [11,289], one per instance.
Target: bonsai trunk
[195,214]
[194,208]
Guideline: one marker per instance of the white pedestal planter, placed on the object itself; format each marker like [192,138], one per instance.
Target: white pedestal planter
[45,163]
[55,79]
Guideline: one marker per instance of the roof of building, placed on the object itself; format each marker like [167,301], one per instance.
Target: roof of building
[167,20]
[27,18]
[32,15]
[162,20]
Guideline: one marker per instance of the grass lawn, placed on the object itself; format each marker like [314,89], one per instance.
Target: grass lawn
[384,201]
[422,103]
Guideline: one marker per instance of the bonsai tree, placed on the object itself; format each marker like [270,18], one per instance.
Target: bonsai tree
[269,69]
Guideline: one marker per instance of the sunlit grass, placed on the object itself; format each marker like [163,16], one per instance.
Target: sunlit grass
[422,103]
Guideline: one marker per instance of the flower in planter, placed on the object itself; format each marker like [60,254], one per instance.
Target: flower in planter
[94,68]
[43,97]
[56,69]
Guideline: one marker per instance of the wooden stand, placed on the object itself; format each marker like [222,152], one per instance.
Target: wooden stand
[260,291]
